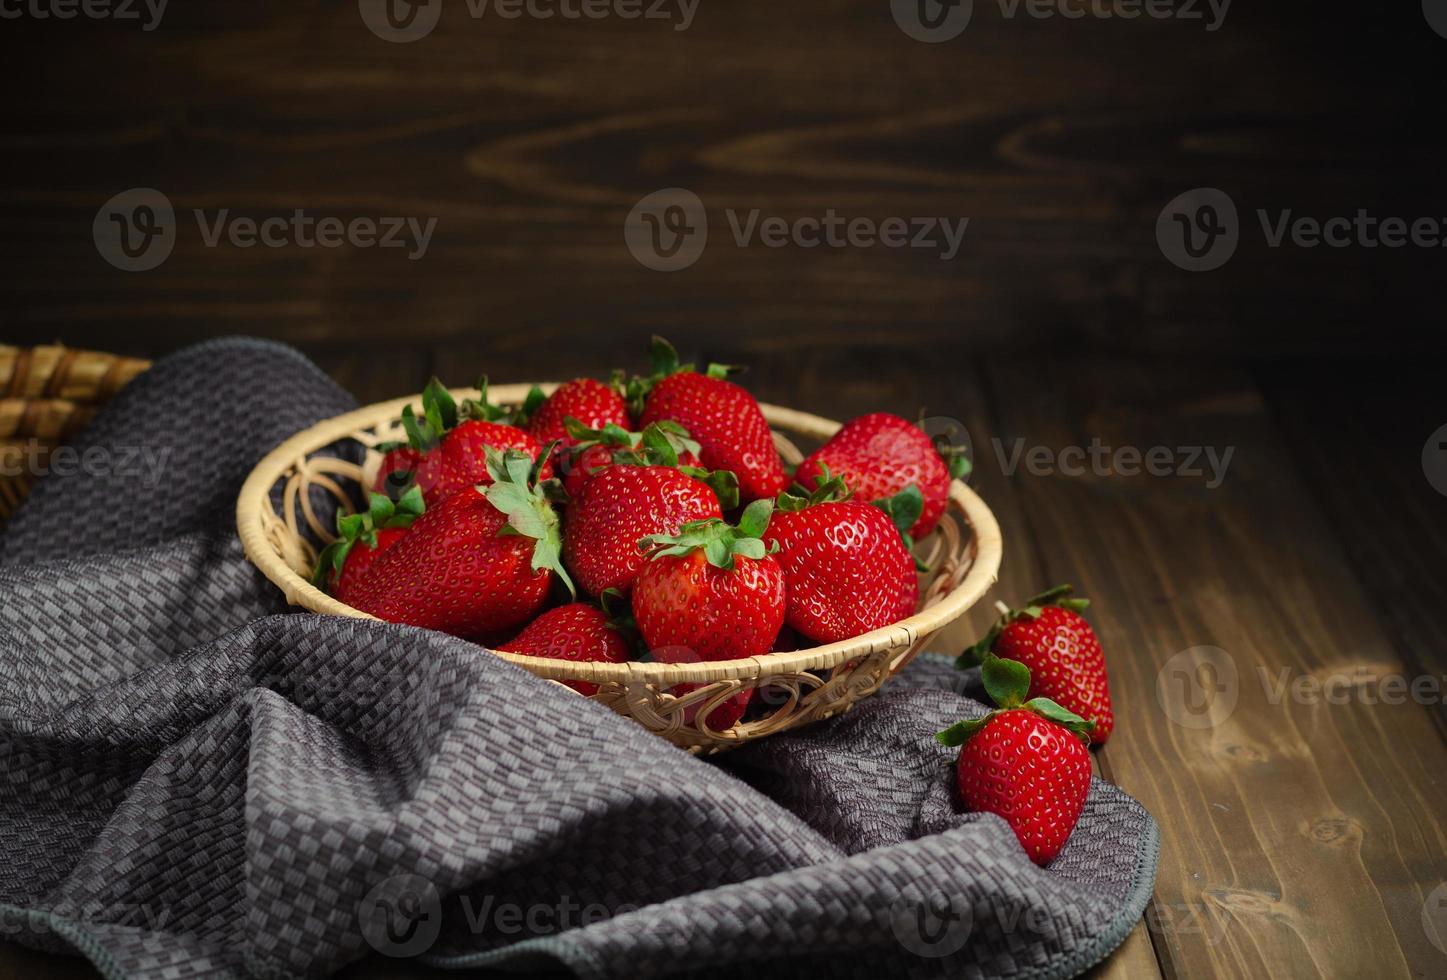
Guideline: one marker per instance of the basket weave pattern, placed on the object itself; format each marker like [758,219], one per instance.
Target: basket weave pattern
[47,395]
[796,688]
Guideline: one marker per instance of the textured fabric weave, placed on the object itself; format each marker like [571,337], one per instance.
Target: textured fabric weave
[195,782]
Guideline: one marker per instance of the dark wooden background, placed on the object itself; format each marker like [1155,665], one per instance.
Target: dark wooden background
[1297,839]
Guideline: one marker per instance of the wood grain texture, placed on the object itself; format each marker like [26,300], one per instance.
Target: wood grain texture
[529,141]
[1299,838]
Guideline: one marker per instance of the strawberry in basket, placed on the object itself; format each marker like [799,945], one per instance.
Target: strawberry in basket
[666,443]
[447,448]
[477,564]
[588,403]
[1051,637]
[1026,761]
[578,631]
[711,592]
[725,419]
[637,496]
[846,566]
[879,456]
[361,538]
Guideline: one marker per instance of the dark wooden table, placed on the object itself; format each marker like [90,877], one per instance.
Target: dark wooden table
[1302,829]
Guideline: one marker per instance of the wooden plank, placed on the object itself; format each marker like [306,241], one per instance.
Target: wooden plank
[1359,431]
[1298,839]
[530,140]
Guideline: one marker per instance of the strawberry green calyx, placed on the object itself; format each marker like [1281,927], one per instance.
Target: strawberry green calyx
[481,409]
[531,403]
[904,509]
[516,493]
[956,460]
[616,607]
[663,359]
[661,444]
[1008,682]
[382,512]
[827,489]
[1059,596]
[666,440]
[719,541]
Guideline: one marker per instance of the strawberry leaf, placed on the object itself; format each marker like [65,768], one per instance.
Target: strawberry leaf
[517,495]
[1007,681]
[1046,708]
[961,731]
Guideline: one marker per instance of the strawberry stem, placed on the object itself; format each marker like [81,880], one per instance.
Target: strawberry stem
[719,541]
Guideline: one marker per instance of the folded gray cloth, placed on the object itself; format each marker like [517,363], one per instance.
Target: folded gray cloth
[194,782]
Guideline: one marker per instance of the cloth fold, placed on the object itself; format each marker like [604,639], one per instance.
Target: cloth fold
[196,782]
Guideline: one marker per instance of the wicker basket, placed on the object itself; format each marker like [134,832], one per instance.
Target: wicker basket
[795,688]
[47,394]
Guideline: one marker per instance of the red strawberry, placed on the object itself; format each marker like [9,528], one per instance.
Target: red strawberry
[1050,637]
[402,460]
[662,443]
[461,460]
[477,564]
[592,403]
[724,418]
[578,632]
[449,443]
[712,588]
[622,505]
[847,569]
[880,455]
[1026,762]
[361,538]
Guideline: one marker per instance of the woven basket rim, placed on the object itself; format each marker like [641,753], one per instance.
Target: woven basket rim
[987,545]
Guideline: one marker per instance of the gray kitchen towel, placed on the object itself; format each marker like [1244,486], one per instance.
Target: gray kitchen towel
[196,782]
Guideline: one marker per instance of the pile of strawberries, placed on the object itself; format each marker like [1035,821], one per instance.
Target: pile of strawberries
[652,518]
[643,518]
